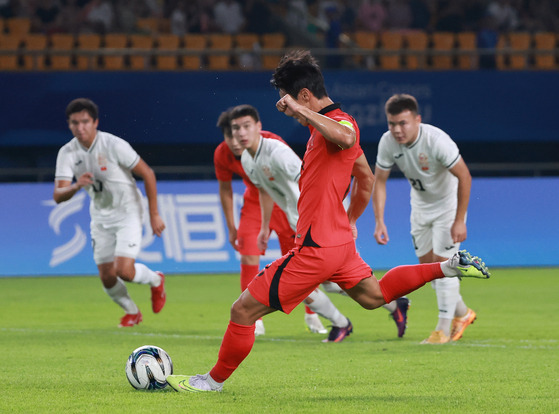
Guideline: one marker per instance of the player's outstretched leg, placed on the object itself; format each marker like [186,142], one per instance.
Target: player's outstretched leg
[466,265]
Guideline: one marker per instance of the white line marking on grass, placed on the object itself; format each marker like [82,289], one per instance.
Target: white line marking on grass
[551,344]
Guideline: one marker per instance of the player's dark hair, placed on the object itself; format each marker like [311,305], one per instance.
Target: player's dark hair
[298,69]
[401,102]
[224,123]
[81,104]
[244,110]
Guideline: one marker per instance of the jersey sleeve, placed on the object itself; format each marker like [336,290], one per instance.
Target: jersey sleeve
[126,155]
[446,151]
[385,160]
[63,165]
[222,172]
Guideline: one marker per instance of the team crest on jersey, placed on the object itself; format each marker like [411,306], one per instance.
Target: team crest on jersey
[267,173]
[102,161]
[424,161]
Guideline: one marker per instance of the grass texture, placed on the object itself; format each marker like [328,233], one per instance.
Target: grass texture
[65,354]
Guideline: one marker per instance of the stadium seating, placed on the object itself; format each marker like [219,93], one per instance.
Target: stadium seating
[34,42]
[222,42]
[114,41]
[368,41]
[245,44]
[194,42]
[416,41]
[148,25]
[442,42]
[391,42]
[545,41]
[519,41]
[167,42]
[18,26]
[140,61]
[62,42]
[466,44]
[9,61]
[88,43]
[272,41]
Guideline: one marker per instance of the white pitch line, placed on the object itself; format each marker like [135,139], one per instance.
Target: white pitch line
[550,344]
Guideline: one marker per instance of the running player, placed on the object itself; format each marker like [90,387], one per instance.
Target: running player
[243,239]
[103,165]
[325,237]
[440,193]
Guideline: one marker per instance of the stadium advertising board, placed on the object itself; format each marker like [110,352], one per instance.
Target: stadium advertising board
[42,238]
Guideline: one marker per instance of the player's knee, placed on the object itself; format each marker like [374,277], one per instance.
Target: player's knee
[125,272]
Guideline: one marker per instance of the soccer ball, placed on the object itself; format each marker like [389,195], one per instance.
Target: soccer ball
[147,368]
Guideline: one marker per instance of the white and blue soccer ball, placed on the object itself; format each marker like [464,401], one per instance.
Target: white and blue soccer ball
[147,368]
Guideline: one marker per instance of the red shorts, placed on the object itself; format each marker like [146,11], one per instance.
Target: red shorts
[286,282]
[249,227]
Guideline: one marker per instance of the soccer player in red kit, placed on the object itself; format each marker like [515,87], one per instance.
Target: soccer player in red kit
[325,238]
[227,163]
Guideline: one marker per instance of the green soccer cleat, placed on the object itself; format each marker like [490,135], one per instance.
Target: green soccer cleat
[196,383]
[469,266]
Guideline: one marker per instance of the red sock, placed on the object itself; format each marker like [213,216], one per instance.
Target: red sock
[235,347]
[247,274]
[402,280]
[308,310]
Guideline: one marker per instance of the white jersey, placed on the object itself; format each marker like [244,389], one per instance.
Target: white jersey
[110,159]
[276,168]
[425,164]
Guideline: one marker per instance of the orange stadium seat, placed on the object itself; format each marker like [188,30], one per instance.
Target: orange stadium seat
[416,41]
[149,25]
[34,42]
[519,41]
[500,58]
[88,43]
[467,43]
[245,43]
[140,41]
[545,41]
[167,42]
[9,61]
[115,41]
[442,42]
[391,42]
[223,42]
[63,42]
[194,42]
[18,26]
[272,41]
[368,41]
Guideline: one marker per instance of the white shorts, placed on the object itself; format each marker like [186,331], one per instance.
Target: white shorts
[431,231]
[122,239]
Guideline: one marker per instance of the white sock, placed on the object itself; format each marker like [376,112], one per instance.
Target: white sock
[146,276]
[119,294]
[332,287]
[448,267]
[448,293]
[461,308]
[390,307]
[324,307]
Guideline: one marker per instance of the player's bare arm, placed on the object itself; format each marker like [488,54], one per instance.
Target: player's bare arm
[379,202]
[266,206]
[301,110]
[363,183]
[226,198]
[459,231]
[65,189]
[150,183]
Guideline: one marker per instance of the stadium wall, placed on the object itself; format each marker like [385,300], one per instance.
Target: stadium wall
[511,222]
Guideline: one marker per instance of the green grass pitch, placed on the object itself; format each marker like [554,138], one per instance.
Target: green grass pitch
[63,353]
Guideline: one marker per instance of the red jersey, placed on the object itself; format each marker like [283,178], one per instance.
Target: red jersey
[325,180]
[226,164]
